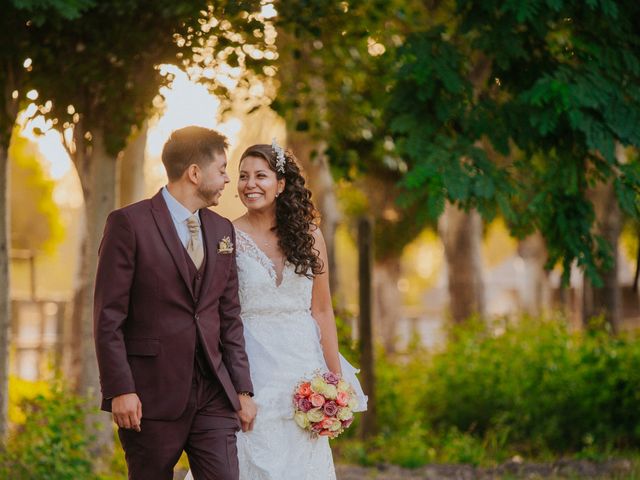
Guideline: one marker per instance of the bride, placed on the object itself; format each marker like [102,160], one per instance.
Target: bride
[289,326]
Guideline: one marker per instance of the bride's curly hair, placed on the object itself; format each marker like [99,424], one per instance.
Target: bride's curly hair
[296,217]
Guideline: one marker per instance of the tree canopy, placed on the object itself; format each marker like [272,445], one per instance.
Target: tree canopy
[516,107]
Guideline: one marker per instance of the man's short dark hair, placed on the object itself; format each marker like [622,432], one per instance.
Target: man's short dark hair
[190,145]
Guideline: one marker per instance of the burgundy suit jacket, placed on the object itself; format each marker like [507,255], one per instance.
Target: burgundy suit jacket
[146,316]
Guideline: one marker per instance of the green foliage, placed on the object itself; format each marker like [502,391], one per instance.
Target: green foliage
[104,63]
[478,101]
[52,443]
[545,387]
[69,9]
[530,388]
[347,345]
[334,77]
[15,47]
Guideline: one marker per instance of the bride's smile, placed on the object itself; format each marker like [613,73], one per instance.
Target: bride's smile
[258,185]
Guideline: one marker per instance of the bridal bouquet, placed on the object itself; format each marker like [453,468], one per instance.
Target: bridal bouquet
[324,405]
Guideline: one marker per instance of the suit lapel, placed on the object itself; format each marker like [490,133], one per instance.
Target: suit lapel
[210,239]
[167,229]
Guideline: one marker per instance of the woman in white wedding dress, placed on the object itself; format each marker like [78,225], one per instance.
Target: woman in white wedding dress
[289,326]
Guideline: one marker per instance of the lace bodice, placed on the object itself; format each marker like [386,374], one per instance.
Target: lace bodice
[260,295]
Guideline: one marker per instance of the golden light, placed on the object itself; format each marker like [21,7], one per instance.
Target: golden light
[268,11]
[375,48]
[185,103]
[53,156]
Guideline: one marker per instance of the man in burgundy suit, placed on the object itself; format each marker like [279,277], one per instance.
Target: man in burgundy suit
[169,339]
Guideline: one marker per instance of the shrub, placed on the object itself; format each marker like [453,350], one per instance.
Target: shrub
[544,387]
[528,387]
[52,442]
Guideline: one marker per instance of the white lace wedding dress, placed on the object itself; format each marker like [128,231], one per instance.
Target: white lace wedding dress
[283,345]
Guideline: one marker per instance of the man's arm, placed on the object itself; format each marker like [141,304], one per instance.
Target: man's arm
[116,268]
[234,355]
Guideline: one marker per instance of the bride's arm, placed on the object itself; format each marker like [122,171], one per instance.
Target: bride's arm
[322,309]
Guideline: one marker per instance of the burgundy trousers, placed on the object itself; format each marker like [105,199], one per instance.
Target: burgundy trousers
[206,431]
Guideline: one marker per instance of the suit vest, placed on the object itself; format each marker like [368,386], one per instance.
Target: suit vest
[196,276]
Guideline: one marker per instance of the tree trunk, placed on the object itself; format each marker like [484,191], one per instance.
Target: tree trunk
[535,292]
[387,302]
[320,182]
[131,170]
[99,181]
[8,114]
[606,300]
[461,235]
[368,425]
[5,299]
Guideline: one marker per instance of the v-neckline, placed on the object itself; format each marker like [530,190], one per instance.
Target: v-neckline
[266,258]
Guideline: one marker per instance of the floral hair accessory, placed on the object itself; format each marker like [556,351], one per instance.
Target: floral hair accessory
[280,158]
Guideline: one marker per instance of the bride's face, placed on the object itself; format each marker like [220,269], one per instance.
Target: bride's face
[258,184]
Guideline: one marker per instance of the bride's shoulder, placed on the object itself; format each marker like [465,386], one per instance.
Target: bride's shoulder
[317,234]
[243,240]
[239,224]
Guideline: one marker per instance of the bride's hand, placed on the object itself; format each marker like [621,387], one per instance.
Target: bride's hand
[247,412]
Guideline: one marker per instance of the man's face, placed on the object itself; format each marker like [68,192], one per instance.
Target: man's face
[214,178]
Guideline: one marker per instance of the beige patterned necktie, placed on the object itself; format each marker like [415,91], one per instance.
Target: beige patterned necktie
[194,245]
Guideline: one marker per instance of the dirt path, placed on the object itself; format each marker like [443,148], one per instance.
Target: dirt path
[563,469]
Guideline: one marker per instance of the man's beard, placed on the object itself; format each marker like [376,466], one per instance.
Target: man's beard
[208,195]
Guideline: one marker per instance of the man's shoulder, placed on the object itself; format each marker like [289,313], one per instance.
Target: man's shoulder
[216,218]
[134,209]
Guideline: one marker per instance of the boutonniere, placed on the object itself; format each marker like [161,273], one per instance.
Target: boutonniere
[225,246]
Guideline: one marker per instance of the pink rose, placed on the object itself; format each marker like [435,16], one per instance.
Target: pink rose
[331,378]
[317,400]
[304,405]
[326,422]
[346,423]
[304,390]
[330,408]
[342,399]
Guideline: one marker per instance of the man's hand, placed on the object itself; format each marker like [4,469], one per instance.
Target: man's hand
[127,411]
[247,412]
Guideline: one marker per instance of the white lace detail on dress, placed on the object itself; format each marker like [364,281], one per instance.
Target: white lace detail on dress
[245,244]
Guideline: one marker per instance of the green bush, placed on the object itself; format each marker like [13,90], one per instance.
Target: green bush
[52,443]
[529,387]
[543,387]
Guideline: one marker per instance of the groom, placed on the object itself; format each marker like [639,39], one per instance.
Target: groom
[169,339]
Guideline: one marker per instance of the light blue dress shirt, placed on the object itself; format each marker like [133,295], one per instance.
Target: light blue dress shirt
[180,214]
